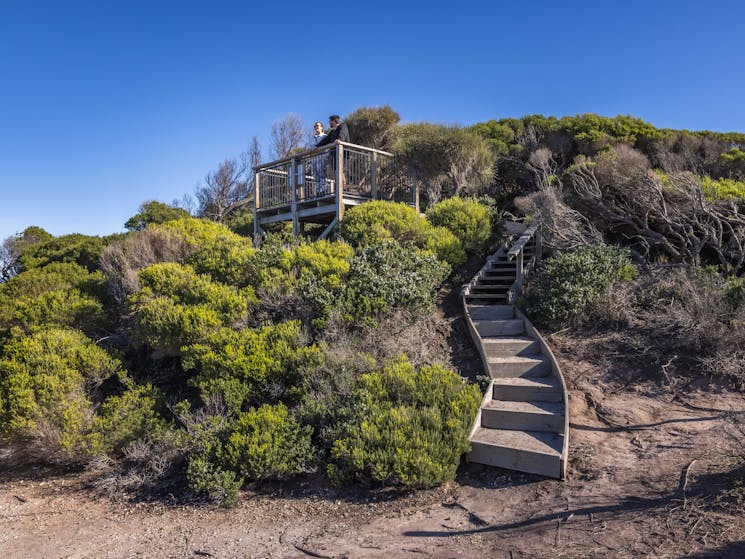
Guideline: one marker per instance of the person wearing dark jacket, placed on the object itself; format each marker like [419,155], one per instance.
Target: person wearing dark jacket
[339,131]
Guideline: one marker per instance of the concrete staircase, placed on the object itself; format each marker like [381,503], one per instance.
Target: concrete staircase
[523,422]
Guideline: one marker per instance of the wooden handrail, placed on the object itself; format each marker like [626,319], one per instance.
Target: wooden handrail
[316,151]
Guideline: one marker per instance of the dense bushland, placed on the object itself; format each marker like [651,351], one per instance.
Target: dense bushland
[178,355]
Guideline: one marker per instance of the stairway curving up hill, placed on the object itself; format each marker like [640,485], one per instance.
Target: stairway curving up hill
[523,420]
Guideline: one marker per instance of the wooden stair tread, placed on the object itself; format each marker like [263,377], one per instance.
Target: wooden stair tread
[538,358]
[549,381]
[538,408]
[538,442]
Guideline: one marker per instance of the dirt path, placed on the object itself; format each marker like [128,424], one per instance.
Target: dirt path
[641,479]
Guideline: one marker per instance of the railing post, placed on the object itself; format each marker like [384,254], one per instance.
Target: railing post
[538,244]
[519,264]
[415,190]
[339,182]
[257,236]
[293,193]
[374,175]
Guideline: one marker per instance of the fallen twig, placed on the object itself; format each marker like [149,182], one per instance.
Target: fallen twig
[684,480]
[310,552]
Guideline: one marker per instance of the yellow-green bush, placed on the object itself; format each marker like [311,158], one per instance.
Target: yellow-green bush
[379,221]
[246,366]
[267,443]
[81,249]
[46,383]
[719,190]
[467,219]
[61,294]
[128,417]
[176,306]
[409,427]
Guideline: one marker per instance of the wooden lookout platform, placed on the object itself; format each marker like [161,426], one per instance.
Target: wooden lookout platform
[317,186]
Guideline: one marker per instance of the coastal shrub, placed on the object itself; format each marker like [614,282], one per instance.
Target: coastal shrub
[154,212]
[61,294]
[176,306]
[130,416]
[250,366]
[81,249]
[387,277]
[379,221]
[47,383]
[719,190]
[266,443]
[466,218]
[565,285]
[408,427]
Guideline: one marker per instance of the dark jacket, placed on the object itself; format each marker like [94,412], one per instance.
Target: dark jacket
[341,132]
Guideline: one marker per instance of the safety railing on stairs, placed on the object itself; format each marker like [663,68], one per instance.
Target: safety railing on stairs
[531,237]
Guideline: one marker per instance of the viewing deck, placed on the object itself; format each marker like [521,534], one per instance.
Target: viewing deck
[316,186]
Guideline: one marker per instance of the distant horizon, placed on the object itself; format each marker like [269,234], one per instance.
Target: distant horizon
[104,107]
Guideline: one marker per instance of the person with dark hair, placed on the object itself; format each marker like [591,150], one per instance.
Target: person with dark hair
[338,132]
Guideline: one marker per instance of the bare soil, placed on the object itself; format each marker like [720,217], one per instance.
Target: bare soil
[647,478]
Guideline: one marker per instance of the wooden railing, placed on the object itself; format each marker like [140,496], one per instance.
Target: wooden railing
[319,173]
[524,266]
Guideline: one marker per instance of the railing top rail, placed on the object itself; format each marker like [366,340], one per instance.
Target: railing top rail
[523,240]
[316,151]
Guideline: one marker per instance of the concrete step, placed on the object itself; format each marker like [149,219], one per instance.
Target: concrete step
[523,416]
[502,279]
[506,347]
[531,452]
[519,366]
[528,389]
[491,312]
[508,327]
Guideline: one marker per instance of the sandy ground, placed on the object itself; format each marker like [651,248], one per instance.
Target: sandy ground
[644,471]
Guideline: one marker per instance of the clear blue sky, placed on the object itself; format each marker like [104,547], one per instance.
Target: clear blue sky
[104,104]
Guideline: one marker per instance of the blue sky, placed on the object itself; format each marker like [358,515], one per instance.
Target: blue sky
[104,105]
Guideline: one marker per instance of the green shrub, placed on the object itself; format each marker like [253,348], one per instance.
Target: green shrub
[250,366]
[81,249]
[176,306]
[409,427]
[388,277]
[154,212]
[267,443]
[719,190]
[467,219]
[61,294]
[565,285]
[379,221]
[46,384]
[130,416]
[210,480]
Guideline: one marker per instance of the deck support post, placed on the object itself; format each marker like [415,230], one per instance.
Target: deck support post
[257,229]
[374,175]
[415,191]
[339,182]
[293,194]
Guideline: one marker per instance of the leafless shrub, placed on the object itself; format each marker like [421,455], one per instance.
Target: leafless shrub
[657,215]
[287,135]
[423,339]
[682,313]
[567,228]
[146,467]
[121,261]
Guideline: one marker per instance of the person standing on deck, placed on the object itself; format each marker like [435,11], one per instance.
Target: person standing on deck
[338,133]
[318,162]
